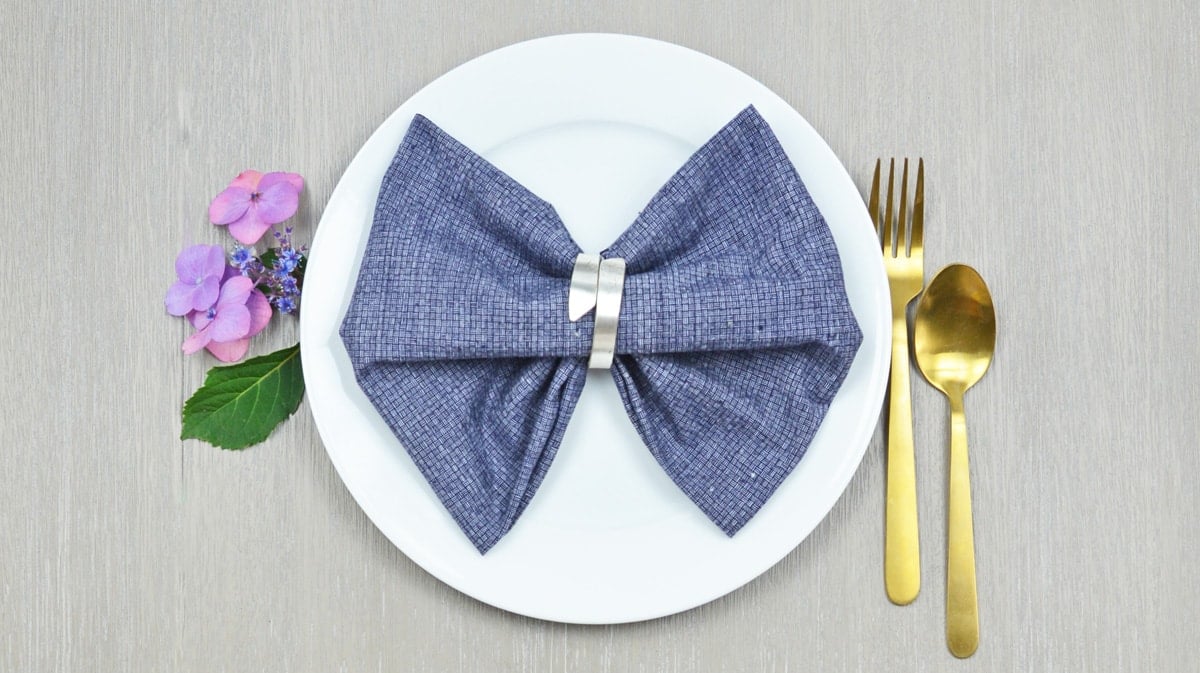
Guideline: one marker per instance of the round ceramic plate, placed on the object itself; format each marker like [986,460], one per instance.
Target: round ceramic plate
[594,124]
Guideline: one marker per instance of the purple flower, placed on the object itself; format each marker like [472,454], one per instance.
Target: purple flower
[226,320]
[240,257]
[254,201]
[288,260]
[285,304]
[260,315]
[252,268]
[199,269]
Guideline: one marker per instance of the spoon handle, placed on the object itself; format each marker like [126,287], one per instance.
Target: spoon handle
[962,604]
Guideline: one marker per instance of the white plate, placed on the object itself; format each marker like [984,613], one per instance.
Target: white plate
[594,124]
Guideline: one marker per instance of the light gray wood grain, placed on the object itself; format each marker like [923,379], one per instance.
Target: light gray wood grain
[1060,140]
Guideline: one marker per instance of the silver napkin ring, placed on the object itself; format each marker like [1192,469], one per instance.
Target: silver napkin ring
[598,283]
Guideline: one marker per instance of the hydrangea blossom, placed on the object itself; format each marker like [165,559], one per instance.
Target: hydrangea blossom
[288,259]
[254,201]
[285,304]
[226,320]
[241,256]
[226,327]
[230,299]
[199,269]
[281,282]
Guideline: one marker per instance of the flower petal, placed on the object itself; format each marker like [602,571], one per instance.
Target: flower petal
[296,179]
[206,294]
[197,341]
[192,262]
[260,312]
[229,351]
[230,324]
[250,228]
[215,264]
[234,292]
[229,205]
[179,298]
[199,319]
[277,200]
[247,180]
[276,177]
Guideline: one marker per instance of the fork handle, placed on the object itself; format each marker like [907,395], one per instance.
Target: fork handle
[902,551]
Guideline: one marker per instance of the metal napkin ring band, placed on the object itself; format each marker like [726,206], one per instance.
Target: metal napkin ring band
[597,283]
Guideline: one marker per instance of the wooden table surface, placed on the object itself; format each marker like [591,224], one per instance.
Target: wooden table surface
[1060,139]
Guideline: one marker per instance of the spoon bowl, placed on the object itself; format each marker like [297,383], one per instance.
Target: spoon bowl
[954,336]
[954,332]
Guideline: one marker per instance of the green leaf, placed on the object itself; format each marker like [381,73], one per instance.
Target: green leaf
[241,404]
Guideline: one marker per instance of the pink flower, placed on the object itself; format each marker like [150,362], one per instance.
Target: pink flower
[199,269]
[254,201]
[260,315]
[225,328]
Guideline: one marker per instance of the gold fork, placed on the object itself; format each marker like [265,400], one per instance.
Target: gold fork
[906,275]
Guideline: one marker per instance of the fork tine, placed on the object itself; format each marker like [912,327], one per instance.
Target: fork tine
[902,217]
[888,247]
[918,216]
[873,204]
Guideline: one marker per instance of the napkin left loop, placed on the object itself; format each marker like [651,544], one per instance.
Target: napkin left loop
[598,283]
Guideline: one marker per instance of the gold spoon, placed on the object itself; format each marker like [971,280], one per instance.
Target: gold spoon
[954,336]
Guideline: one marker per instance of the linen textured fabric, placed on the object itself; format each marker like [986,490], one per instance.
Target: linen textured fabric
[735,330]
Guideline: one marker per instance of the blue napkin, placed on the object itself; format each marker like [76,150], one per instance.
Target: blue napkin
[734,332]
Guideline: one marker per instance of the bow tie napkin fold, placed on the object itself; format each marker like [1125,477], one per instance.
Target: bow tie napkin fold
[734,329]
